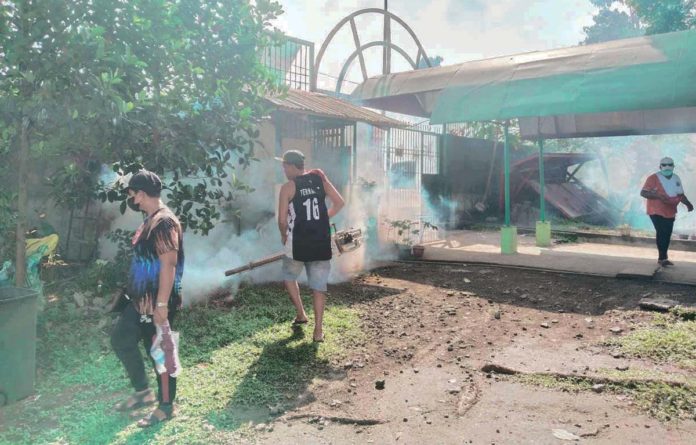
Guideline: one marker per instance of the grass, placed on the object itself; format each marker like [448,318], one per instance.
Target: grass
[660,400]
[668,340]
[565,238]
[550,382]
[237,363]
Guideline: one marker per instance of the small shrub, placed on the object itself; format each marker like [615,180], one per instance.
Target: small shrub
[405,231]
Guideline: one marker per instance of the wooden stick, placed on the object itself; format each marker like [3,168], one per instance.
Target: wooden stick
[341,420]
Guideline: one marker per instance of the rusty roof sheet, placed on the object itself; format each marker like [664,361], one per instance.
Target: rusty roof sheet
[318,104]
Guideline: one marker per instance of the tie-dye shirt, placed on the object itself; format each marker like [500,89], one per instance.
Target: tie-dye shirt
[158,234]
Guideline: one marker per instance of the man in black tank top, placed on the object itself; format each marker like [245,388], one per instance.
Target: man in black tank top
[303,221]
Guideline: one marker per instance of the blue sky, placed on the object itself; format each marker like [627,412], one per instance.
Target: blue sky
[457,30]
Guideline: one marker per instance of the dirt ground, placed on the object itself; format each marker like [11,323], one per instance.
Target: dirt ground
[432,328]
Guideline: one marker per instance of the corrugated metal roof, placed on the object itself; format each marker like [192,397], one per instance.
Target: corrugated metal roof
[318,104]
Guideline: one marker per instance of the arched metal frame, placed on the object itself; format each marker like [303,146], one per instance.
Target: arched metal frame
[386,44]
[349,61]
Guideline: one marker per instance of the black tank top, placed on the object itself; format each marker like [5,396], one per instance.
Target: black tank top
[308,220]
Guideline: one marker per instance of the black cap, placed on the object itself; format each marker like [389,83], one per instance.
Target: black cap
[294,157]
[146,181]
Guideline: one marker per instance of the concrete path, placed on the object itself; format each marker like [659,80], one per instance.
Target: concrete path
[610,260]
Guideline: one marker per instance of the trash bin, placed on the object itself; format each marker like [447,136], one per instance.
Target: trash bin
[17,343]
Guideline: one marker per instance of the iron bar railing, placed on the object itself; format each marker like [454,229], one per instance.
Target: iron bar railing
[292,62]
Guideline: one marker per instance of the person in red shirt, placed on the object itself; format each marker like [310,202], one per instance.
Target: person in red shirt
[664,191]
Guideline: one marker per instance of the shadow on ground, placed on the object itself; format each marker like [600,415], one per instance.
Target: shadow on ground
[549,291]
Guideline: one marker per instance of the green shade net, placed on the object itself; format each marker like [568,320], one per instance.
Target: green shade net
[667,83]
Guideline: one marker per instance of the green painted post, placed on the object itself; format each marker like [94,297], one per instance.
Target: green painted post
[508,234]
[543,228]
[443,154]
[506,162]
[542,183]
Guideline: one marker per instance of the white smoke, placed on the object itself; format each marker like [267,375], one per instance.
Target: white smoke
[226,246]
[386,190]
[628,161]
[252,234]
[208,257]
[249,235]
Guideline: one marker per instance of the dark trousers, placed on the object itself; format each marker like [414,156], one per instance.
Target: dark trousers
[663,227]
[129,330]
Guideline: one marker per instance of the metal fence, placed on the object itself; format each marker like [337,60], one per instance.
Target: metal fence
[407,155]
[333,147]
[292,62]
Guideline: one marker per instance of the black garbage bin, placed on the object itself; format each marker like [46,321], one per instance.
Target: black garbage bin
[17,343]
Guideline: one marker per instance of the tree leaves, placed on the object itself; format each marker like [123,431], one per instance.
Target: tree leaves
[639,17]
[174,86]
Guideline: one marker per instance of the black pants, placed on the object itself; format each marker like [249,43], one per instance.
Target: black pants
[129,330]
[663,227]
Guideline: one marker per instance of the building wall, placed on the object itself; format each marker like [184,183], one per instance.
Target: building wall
[266,176]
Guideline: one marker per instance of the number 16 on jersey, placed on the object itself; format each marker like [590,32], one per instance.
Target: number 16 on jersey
[312,207]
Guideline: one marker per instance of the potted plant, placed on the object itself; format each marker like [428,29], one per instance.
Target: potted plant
[418,250]
[406,231]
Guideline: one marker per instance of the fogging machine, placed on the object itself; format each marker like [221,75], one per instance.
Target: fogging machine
[344,241]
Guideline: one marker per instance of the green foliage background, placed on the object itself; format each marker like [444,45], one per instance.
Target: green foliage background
[173,86]
[619,19]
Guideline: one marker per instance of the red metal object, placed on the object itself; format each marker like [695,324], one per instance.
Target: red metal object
[564,192]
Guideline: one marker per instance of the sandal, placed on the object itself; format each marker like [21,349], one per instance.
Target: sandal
[319,340]
[137,400]
[153,419]
[297,322]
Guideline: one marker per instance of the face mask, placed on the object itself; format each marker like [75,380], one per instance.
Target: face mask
[667,172]
[132,205]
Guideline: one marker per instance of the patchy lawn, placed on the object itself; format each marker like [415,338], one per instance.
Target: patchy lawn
[408,354]
[662,401]
[669,339]
[241,364]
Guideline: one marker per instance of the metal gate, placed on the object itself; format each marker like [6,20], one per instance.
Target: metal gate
[396,159]
[333,147]
[406,155]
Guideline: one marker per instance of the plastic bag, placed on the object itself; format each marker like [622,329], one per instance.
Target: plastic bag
[165,351]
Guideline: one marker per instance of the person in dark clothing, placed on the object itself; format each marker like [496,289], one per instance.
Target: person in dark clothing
[664,191]
[303,221]
[154,293]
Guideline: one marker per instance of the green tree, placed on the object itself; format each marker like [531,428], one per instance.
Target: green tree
[664,15]
[611,24]
[173,85]
[618,19]
[42,62]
